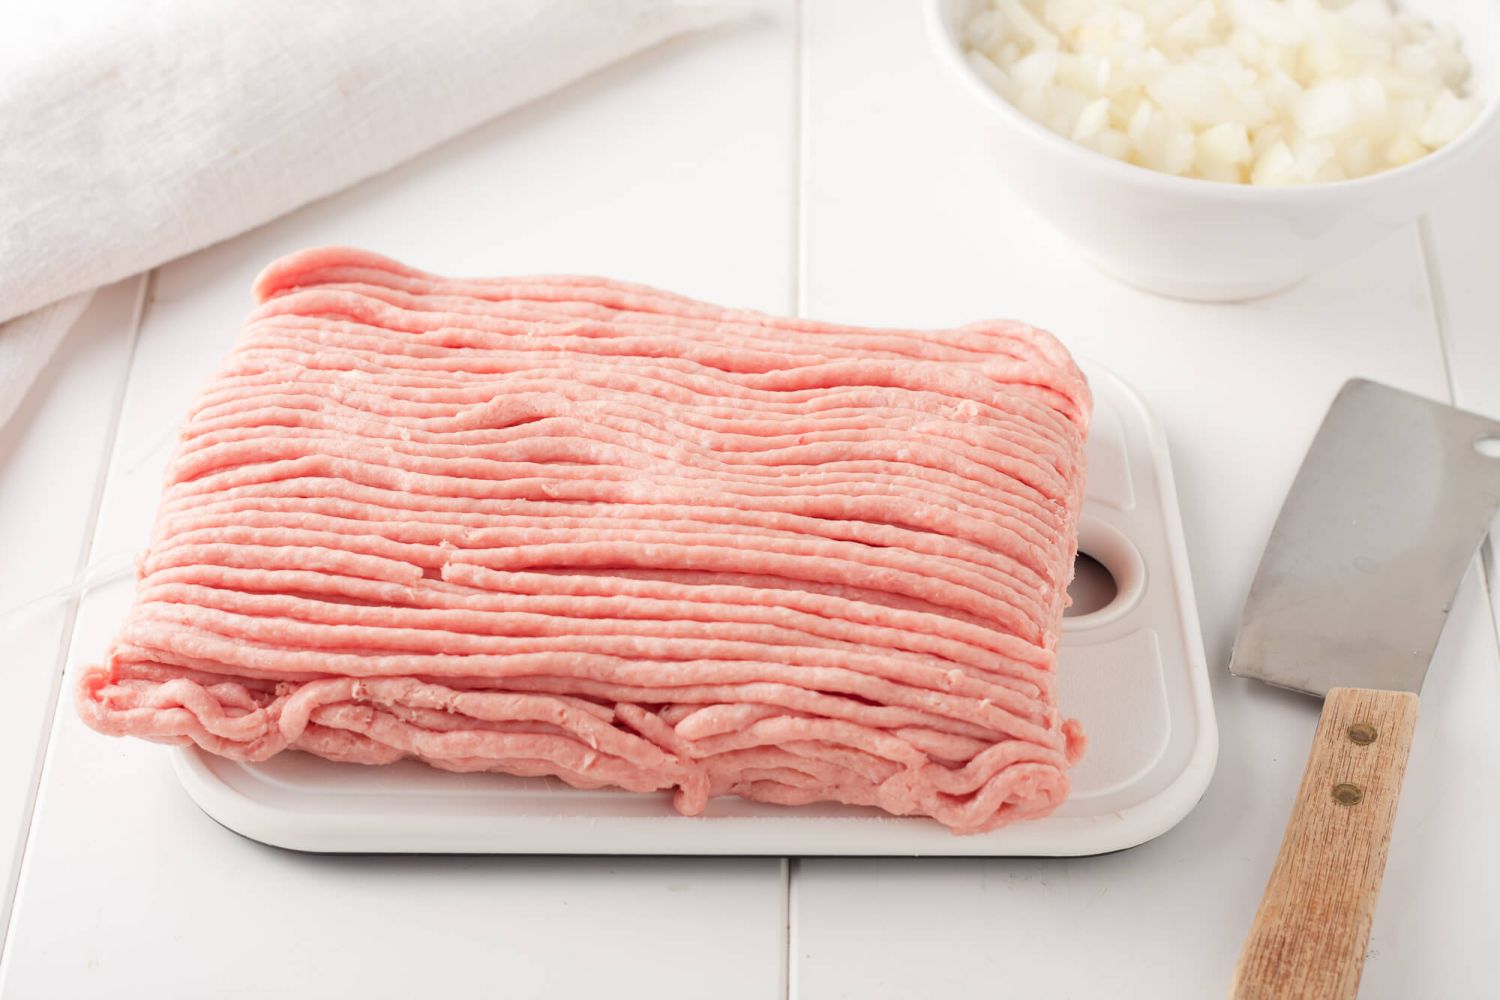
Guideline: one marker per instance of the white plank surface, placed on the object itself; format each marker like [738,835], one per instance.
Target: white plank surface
[51,460]
[906,224]
[1460,236]
[674,168]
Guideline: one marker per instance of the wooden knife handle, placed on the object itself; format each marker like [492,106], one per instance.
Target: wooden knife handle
[1309,936]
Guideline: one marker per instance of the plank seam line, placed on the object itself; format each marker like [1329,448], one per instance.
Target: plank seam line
[1442,327]
[801,148]
[57,703]
[1437,304]
[793,878]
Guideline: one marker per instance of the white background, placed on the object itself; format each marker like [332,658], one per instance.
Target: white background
[814,161]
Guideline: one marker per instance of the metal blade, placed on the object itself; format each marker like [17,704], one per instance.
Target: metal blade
[1391,502]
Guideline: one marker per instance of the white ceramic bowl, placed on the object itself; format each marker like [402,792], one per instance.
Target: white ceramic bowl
[1208,240]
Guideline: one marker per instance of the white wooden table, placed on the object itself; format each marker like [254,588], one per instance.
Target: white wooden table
[815,162]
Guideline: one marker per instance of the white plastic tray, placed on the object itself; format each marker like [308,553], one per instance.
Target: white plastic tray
[1133,672]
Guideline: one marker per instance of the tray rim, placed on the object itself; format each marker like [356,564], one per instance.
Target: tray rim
[800,836]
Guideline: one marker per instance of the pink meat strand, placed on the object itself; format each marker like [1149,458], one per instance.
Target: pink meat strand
[574,527]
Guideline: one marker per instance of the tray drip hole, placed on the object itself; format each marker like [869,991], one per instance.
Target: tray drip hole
[1093,588]
[1109,577]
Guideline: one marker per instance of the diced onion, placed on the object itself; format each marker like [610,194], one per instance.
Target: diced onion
[1245,91]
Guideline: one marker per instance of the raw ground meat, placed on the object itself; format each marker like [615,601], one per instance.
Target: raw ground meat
[568,526]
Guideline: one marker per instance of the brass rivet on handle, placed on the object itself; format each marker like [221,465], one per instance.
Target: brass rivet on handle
[1362,733]
[1348,795]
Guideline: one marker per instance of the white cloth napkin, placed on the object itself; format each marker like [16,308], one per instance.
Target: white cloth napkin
[26,343]
[133,133]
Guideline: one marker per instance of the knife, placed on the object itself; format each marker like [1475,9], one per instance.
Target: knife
[1390,504]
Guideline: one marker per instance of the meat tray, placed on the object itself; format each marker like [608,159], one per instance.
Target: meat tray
[1132,671]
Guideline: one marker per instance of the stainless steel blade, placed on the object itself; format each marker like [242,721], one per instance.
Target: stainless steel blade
[1391,502]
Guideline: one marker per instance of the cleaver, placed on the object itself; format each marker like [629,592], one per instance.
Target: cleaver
[1390,505]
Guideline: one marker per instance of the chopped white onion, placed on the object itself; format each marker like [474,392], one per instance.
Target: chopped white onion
[1245,91]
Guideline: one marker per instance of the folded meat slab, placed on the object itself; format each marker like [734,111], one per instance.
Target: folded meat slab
[575,527]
